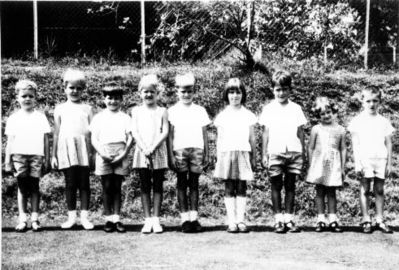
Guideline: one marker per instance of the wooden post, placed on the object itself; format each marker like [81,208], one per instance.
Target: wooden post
[142,31]
[366,42]
[35,31]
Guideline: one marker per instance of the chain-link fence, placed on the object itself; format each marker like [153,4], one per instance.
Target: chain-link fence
[193,30]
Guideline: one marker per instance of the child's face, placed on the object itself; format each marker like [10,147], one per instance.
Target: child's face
[26,99]
[74,90]
[281,93]
[326,116]
[113,102]
[234,96]
[149,95]
[370,102]
[185,94]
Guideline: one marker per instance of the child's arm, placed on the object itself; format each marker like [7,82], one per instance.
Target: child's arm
[343,155]
[7,160]
[171,156]
[301,136]
[356,153]
[91,150]
[265,142]
[312,144]
[136,135]
[388,144]
[162,136]
[47,164]
[205,161]
[57,123]
[252,142]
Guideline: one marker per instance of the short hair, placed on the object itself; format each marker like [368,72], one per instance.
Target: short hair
[234,83]
[148,80]
[25,84]
[185,80]
[74,75]
[282,77]
[324,103]
[372,90]
[112,89]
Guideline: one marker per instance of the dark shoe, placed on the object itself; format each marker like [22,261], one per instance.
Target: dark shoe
[334,227]
[119,227]
[109,227]
[383,227]
[21,227]
[291,227]
[36,226]
[279,227]
[186,227]
[232,229]
[242,228]
[366,227]
[320,226]
[196,226]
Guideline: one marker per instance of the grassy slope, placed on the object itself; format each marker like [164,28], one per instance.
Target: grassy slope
[339,85]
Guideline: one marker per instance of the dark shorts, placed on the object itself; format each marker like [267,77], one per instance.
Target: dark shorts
[27,165]
[290,162]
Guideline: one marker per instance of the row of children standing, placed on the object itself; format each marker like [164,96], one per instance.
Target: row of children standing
[177,138]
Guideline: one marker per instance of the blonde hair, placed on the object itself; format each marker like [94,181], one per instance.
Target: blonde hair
[148,80]
[372,90]
[25,84]
[187,79]
[74,75]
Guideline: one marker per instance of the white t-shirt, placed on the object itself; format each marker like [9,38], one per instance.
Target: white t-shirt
[110,127]
[188,122]
[371,131]
[283,122]
[29,129]
[233,127]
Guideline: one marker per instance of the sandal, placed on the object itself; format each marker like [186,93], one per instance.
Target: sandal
[291,227]
[21,227]
[232,228]
[279,227]
[334,226]
[383,227]
[366,226]
[320,226]
[242,228]
[36,226]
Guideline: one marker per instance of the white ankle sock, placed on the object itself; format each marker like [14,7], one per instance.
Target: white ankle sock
[332,218]
[230,203]
[115,218]
[241,205]
[279,217]
[321,218]
[23,217]
[288,217]
[185,217]
[193,215]
[34,216]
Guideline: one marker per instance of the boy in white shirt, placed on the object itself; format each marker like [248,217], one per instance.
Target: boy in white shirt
[283,148]
[188,149]
[372,151]
[27,151]
[111,137]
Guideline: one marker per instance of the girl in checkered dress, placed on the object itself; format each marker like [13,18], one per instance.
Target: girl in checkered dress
[235,152]
[327,152]
[150,128]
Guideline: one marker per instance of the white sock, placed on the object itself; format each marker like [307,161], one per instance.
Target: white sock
[34,216]
[72,215]
[23,217]
[332,218]
[155,220]
[230,203]
[241,205]
[185,217]
[115,218]
[288,217]
[321,218]
[279,217]
[109,218]
[193,215]
[84,214]
[379,219]
[366,218]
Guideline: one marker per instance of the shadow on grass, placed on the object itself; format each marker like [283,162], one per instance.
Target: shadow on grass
[257,228]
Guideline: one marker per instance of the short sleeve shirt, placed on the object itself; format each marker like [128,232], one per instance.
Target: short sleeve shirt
[233,127]
[188,122]
[282,122]
[371,132]
[28,130]
[110,127]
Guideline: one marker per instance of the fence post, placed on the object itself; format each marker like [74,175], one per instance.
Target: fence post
[366,45]
[35,31]
[142,7]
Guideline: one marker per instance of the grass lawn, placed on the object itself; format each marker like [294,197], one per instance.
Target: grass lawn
[212,249]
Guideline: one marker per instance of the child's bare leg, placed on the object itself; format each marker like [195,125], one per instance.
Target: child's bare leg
[35,195]
[117,189]
[364,198]
[332,200]
[320,194]
[158,178]
[84,187]
[194,193]
[107,194]
[22,202]
[289,186]
[276,186]
[379,199]
[182,191]
[71,188]
[145,179]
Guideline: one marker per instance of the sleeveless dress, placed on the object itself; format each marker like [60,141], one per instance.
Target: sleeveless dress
[149,126]
[325,167]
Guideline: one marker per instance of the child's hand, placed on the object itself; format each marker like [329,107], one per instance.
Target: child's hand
[388,171]
[8,167]
[343,176]
[265,161]
[54,163]
[253,163]
[118,158]
[92,161]
[173,163]
[106,157]
[205,161]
